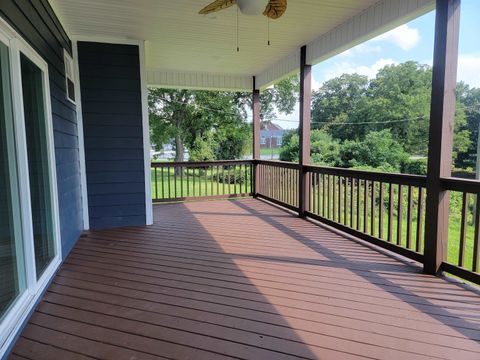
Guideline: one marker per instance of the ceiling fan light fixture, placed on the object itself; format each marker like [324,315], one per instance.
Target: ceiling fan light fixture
[252,7]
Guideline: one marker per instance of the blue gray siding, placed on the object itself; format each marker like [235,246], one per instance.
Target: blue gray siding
[112,119]
[37,23]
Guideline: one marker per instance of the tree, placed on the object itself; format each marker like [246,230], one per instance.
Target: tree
[196,119]
[280,97]
[336,102]
[398,99]
[468,100]
[324,150]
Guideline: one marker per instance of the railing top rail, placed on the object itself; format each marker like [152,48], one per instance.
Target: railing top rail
[461,185]
[283,164]
[395,178]
[200,163]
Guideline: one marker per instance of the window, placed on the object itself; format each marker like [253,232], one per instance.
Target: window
[279,140]
[69,76]
[12,271]
[263,140]
[29,225]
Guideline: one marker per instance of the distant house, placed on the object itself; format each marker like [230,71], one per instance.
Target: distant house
[271,136]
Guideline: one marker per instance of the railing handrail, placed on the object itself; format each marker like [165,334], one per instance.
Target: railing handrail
[395,178]
[199,163]
[278,163]
[462,185]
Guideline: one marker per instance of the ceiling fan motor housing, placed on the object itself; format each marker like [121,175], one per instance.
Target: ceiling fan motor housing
[252,7]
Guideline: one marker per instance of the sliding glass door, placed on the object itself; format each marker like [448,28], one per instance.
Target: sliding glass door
[38,164]
[29,219]
[12,269]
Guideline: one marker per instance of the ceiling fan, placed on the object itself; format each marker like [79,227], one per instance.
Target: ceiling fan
[272,9]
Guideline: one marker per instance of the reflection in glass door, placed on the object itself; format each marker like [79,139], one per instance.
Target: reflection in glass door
[38,164]
[12,269]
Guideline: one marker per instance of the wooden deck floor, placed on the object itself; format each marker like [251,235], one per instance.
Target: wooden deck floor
[245,280]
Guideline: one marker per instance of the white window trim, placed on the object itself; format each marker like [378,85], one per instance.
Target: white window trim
[24,304]
[67,57]
[81,138]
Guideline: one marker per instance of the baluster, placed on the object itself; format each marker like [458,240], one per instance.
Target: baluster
[334,197]
[463,229]
[181,181]
[380,211]
[390,213]
[156,183]
[352,201]
[365,206]
[419,220]
[345,202]
[409,217]
[359,191]
[175,181]
[373,206]
[400,214]
[188,180]
[476,239]
[163,184]
[168,171]
[340,192]
[206,179]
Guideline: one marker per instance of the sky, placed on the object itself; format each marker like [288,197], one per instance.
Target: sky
[411,41]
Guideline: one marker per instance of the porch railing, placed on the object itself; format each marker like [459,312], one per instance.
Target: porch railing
[463,259]
[278,182]
[177,181]
[387,210]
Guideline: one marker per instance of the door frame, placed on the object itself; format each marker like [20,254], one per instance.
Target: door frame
[24,304]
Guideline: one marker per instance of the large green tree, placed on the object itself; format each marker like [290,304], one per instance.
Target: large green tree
[212,124]
[398,99]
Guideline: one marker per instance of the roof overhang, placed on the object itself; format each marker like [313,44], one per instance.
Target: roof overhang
[186,50]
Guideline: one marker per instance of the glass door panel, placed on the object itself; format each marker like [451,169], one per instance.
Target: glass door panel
[12,269]
[38,163]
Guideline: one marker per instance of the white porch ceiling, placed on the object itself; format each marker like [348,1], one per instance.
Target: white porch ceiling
[189,50]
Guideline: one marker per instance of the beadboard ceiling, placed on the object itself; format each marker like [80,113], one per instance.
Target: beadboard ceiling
[180,41]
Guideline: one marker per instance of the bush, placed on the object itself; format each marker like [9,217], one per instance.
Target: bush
[324,149]
[415,166]
[378,150]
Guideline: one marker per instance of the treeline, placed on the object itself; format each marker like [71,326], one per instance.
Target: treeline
[383,123]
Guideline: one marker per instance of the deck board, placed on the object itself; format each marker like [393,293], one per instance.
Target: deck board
[245,280]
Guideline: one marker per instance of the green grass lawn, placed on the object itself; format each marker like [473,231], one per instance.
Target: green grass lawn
[199,182]
[268,152]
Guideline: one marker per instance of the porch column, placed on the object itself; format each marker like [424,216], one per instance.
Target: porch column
[304,129]
[442,114]
[256,135]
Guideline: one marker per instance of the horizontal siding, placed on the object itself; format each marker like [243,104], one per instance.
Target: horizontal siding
[36,22]
[112,117]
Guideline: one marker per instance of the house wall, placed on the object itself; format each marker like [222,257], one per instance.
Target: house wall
[36,22]
[112,119]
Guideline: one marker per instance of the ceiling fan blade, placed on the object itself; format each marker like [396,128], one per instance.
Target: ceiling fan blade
[217,6]
[275,9]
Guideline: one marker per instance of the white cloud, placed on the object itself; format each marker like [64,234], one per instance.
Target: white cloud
[345,67]
[469,69]
[315,84]
[403,36]
[364,48]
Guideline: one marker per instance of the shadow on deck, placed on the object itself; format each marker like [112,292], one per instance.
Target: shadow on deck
[245,280]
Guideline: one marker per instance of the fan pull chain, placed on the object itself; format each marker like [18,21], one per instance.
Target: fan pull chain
[238,43]
[268,31]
